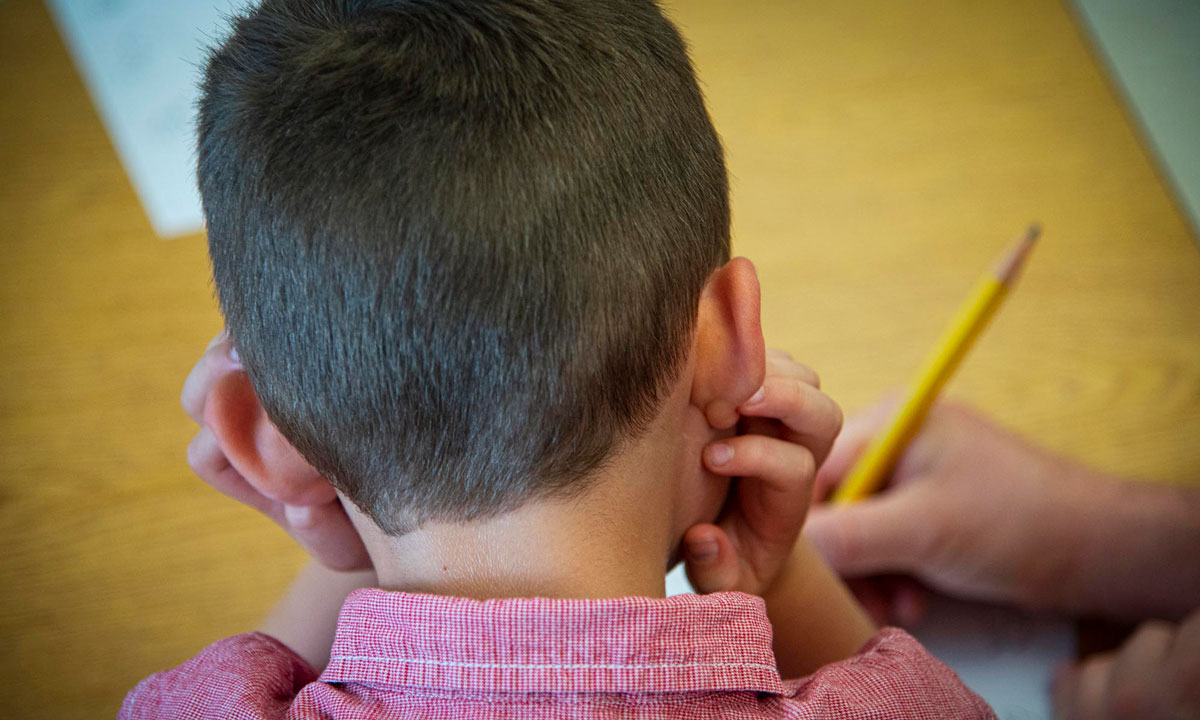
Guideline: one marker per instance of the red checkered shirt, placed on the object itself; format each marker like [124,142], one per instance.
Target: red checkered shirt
[402,655]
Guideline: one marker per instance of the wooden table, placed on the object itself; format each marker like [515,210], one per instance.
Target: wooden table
[881,154]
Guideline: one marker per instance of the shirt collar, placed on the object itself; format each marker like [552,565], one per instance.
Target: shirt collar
[635,644]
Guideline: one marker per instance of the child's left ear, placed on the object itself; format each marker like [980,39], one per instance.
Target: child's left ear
[256,448]
[729,347]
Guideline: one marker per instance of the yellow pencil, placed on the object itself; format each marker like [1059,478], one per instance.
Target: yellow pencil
[875,463]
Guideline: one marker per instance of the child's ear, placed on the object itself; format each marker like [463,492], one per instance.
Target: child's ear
[256,449]
[729,348]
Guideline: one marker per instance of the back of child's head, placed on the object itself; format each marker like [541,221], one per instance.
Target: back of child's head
[459,244]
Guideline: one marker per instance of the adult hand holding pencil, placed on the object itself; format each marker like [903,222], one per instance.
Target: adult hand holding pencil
[972,318]
[977,513]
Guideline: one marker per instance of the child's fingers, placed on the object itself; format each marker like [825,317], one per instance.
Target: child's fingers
[780,362]
[207,459]
[773,492]
[809,413]
[710,560]
[216,359]
[323,529]
[782,469]
[327,533]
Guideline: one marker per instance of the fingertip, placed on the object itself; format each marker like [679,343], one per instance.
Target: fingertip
[718,454]
[205,456]
[755,399]
[217,340]
[701,534]
[299,517]
[708,559]
[704,551]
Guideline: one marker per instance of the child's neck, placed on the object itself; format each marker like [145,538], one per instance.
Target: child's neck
[615,539]
[558,549]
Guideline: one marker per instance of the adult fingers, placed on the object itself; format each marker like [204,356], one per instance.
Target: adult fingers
[873,598]
[1079,691]
[326,532]
[910,601]
[710,560]
[217,358]
[1183,668]
[811,415]
[891,599]
[850,444]
[1133,689]
[877,535]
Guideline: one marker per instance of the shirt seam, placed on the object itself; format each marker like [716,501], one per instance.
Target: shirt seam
[597,698]
[550,666]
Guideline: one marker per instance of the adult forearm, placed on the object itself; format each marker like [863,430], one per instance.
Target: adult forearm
[306,617]
[816,619]
[1138,554]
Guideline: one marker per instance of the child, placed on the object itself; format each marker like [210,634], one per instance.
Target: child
[474,257]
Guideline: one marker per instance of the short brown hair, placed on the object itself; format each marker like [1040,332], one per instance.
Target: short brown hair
[459,244]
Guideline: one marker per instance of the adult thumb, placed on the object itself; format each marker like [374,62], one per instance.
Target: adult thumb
[877,535]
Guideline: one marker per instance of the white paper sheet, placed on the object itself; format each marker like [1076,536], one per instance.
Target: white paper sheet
[140,60]
[1005,655]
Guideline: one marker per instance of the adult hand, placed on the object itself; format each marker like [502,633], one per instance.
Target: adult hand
[969,510]
[320,526]
[786,432]
[1154,676]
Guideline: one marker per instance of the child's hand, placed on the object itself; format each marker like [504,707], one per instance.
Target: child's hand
[786,432]
[321,527]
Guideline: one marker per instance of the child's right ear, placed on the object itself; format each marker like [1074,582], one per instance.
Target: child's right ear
[256,448]
[729,346]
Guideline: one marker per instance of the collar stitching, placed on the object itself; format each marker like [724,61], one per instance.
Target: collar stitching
[550,666]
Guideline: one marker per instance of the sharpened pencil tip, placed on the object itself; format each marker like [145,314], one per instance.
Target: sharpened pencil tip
[1010,264]
[1033,232]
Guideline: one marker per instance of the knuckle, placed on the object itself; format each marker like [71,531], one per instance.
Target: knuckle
[1157,628]
[837,420]
[796,396]
[805,464]
[1154,633]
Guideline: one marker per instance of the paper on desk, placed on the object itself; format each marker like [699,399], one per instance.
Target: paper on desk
[140,60]
[1005,655]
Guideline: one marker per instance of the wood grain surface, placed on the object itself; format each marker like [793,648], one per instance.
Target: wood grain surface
[882,153]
